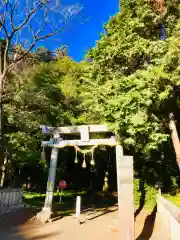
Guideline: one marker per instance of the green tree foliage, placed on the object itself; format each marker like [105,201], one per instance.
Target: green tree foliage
[133,92]
[129,80]
[134,80]
[43,54]
[48,95]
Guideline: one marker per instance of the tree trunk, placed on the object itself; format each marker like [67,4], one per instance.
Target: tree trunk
[1,128]
[3,172]
[175,137]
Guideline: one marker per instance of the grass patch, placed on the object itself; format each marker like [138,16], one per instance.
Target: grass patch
[67,206]
[174,199]
[144,198]
[67,194]
[144,195]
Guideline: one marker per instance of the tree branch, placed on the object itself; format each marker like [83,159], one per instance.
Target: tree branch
[36,35]
[36,39]
[2,24]
[12,8]
[6,53]
[2,4]
[26,21]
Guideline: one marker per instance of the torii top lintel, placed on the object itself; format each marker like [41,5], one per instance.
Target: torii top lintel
[84,131]
[76,129]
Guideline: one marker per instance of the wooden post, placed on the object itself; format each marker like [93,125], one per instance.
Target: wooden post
[119,154]
[126,198]
[78,207]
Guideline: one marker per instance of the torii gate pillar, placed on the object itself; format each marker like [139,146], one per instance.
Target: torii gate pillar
[126,198]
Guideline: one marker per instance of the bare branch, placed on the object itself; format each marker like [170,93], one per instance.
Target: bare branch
[37,36]
[1,27]
[36,39]
[12,9]
[30,15]
[40,30]
[32,30]
[50,34]
[18,59]
[2,4]
[6,52]
[2,24]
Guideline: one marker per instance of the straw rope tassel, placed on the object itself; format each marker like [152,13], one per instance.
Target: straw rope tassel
[84,161]
[92,160]
[76,159]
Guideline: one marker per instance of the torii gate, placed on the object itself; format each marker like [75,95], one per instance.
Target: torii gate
[124,165]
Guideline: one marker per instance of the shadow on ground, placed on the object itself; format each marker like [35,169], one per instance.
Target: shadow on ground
[13,235]
[148,226]
[142,198]
[97,201]
[39,237]
[10,224]
[15,218]
[44,236]
[94,206]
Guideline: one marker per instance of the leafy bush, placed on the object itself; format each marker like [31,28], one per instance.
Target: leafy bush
[144,194]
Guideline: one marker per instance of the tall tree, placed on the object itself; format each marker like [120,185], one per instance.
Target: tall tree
[48,95]
[43,54]
[133,74]
[22,25]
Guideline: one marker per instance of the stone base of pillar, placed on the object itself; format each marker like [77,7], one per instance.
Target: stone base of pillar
[45,215]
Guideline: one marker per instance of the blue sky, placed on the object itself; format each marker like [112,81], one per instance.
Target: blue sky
[81,36]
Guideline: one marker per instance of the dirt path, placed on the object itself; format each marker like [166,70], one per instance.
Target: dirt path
[101,226]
